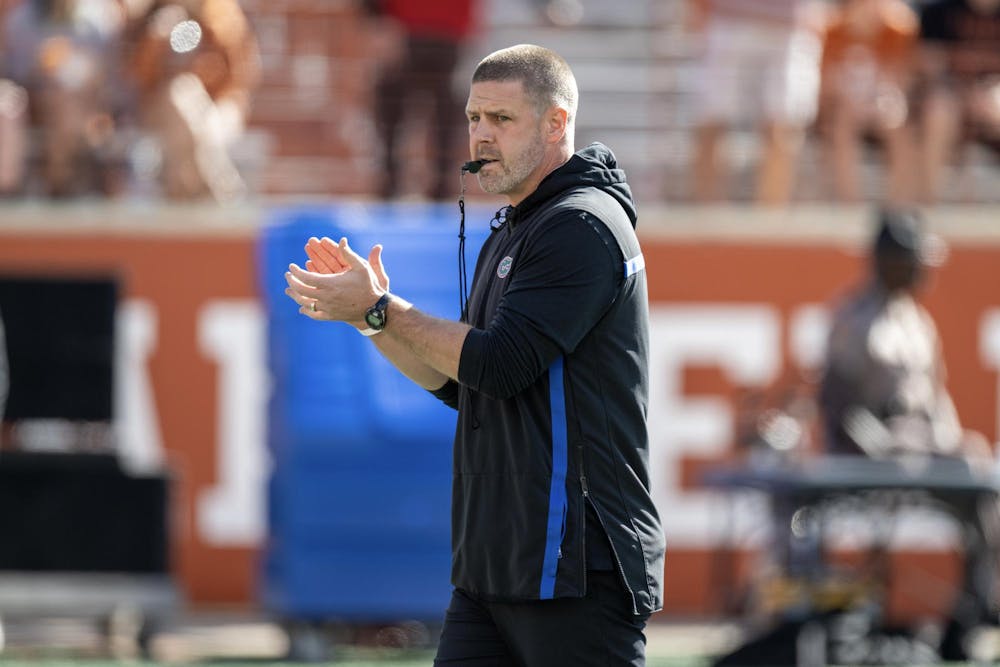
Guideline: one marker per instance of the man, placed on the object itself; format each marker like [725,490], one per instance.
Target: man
[867,71]
[196,64]
[884,357]
[557,547]
[433,37]
[960,63]
[60,57]
[759,65]
[883,395]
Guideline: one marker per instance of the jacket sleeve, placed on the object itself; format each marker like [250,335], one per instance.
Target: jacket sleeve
[562,282]
[447,394]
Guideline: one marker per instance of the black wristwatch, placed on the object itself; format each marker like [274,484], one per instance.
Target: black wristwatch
[375,317]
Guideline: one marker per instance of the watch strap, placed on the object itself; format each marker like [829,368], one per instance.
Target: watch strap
[369,331]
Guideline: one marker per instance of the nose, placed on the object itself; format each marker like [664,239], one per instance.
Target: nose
[480,133]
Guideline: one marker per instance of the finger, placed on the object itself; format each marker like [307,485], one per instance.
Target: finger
[332,250]
[307,306]
[316,261]
[351,258]
[294,296]
[309,278]
[335,251]
[331,246]
[300,287]
[323,258]
[375,259]
[312,268]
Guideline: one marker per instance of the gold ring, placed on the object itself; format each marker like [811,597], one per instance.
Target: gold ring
[313,306]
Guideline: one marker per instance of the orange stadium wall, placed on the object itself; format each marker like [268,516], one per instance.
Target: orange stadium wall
[730,311]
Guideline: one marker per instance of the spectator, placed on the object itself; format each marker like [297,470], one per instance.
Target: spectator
[13,136]
[62,54]
[13,122]
[196,64]
[760,64]
[432,36]
[961,71]
[867,69]
[883,395]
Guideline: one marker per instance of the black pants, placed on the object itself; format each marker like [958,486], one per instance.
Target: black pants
[598,629]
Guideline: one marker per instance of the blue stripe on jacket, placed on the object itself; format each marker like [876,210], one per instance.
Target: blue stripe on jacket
[557,491]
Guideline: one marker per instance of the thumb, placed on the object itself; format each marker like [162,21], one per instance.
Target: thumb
[375,260]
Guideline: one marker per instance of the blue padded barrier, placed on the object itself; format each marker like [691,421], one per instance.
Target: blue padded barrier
[359,496]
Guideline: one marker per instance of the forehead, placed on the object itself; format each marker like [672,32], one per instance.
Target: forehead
[497,94]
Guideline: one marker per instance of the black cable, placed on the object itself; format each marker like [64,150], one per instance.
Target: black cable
[463,296]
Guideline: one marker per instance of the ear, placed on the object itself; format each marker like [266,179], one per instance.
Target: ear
[555,124]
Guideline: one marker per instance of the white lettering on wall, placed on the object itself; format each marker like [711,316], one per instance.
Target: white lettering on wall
[989,349]
[807,333]
[744,341]
[137,425]
[232,513]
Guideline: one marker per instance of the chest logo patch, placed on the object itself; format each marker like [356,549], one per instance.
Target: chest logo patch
[503,268]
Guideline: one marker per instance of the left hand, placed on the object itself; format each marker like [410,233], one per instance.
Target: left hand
[340,285]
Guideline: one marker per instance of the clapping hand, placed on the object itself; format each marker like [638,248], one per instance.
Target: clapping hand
[337,284]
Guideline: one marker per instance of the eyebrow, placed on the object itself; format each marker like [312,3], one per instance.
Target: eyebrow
[490,112]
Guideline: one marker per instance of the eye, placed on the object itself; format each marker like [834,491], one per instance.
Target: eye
[502,118]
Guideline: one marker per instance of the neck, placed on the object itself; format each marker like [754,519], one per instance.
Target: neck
[552,161]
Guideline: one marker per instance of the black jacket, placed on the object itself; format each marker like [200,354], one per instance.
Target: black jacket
[552,396]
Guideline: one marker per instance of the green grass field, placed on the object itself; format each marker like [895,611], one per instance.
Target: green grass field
[228,641]
[350,659]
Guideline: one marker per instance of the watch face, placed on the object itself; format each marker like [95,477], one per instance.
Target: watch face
[375,318]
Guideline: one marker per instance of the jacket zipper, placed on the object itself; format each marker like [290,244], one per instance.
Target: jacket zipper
[600,519]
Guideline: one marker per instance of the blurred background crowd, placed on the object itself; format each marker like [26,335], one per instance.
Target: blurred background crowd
[887,106]
[769,101]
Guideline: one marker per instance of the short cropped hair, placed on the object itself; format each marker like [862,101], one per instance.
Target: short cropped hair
[546,77]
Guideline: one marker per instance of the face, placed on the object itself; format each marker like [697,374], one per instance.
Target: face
[899,272]
[505,127]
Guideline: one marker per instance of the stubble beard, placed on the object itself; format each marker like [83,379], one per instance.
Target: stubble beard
[513,172]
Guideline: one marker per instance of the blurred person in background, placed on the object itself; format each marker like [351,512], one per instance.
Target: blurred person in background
[559,13]
[869,48]
[64,55]
[760,65]
[883,395]
[13,120]
[196,64]
[557,548]
[960,70]
[13,137]
[884,355]
[416,82]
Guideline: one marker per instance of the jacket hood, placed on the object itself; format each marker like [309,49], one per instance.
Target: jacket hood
[594,165]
